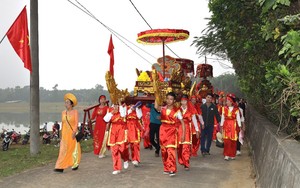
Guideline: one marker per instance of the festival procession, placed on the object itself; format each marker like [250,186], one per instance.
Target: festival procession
[178,117]
[150,93]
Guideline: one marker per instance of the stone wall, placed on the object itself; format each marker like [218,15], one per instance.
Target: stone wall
[276,160]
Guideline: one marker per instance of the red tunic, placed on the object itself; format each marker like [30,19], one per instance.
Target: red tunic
[230,123]
[187,119]
[146,122]
[199,112]
[100,126]
[117,134]
[133,126]
[168,129]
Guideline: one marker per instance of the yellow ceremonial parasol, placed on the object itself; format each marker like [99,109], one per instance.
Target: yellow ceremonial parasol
[162,36]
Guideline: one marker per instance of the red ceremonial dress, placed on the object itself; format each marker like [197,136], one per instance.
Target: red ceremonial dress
[134,132]
[168,138]
[184,148]
[195,140]
[146,123]
[230,121]
[100,126]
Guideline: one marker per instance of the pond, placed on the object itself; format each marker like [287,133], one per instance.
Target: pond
[20,122]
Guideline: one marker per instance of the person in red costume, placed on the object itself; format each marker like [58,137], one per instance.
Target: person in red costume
[146,131]
[216,123]
[134,127]
[117,138]
[230,119]
[189,118]
[168,133]
[195,138]
[100,125]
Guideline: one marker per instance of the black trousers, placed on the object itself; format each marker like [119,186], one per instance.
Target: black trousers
[238,145]
[154,136]
[206,138]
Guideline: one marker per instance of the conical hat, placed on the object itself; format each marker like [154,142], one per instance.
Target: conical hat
[220,137]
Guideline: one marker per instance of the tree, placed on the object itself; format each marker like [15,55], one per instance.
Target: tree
[262,40]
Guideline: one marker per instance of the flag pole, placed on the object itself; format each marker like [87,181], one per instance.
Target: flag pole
[34,81]
[2,38]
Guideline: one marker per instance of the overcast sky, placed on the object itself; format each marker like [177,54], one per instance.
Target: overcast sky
[73,46]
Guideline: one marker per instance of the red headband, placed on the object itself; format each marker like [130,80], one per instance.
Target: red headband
[193,97]
[102,97]
[184,99]
[230,99]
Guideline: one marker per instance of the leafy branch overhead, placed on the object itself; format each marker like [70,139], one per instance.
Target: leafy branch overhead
[262,40]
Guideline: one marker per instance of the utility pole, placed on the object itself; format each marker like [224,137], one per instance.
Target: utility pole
[34,80]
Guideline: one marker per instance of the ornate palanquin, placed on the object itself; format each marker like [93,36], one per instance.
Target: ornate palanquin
[152,83]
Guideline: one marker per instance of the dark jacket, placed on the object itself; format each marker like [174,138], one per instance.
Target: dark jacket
[208,114]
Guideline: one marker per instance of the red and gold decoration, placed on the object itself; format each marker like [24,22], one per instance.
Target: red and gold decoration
[158,36]
[162,36]
[204,71]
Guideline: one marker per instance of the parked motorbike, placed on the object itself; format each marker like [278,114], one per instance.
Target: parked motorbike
[55,137]
[46,138]
[6,140]
[16,137]
[86,132]
[26,138]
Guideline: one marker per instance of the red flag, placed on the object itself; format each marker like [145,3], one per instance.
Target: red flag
[110,51]
[19,38]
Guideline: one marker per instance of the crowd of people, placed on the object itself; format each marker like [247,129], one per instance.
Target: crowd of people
[175,131]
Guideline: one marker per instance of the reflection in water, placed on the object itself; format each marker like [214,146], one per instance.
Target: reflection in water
[20,121]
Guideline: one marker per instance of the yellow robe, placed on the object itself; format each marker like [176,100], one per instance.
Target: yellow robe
[70,150]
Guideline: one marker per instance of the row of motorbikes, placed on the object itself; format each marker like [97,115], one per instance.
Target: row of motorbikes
[9,137]
[12,136]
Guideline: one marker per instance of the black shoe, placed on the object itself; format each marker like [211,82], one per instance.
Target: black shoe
[150,147]
[76,168]
[59,170]
[203,154]
[156,153]
[172,174]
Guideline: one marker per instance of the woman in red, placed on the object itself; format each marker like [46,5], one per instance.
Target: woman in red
[168,133]
[189,117]
[146,123]
[230,119]
[100,126]
[195,137]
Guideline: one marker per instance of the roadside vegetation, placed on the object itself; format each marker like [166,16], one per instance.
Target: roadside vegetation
[262,40]
[18,158]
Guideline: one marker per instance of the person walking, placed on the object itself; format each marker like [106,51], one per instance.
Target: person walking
[155,122]
[195,135]
[134,127]
[168,134]
[209,112]
[146,131]
[117,138]
[100,125]
[70,150]
[229,122]
[189,118]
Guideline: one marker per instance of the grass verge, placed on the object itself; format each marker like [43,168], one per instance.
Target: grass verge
[18,158]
